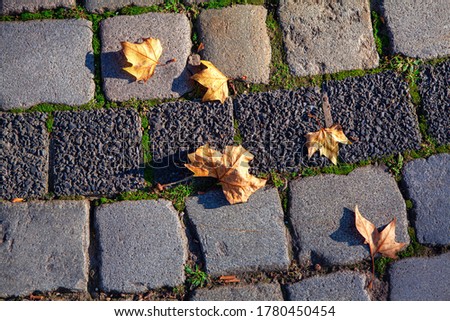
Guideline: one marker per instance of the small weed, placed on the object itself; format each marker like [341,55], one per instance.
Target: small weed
[414,248]
[395,165]
[277,180]
[196,277]
[178,195]
[407,66]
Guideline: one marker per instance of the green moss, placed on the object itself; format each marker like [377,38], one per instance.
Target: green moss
[409,205]
[414,248]
[276,179]
[135,10]
[381,264]
[380,37]
[216,4]
[49,122]
[178,195]
[395,164]
[137,196]
[443,149]
[148,170]
[237,138]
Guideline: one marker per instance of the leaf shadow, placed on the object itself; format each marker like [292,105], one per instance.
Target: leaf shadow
[113,64]
[347,232]
[213,199]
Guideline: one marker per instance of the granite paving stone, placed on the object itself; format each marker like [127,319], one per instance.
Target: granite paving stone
[253,292]
[321,212]
[338,286]
[17,6]
[57,67]
[434,90]
[45,247]
[96,152]
[102,5]
[327,36]
[243,237]
[24,144]
[427,185]
[141,246]
[178,128]
[236,41]
[170,81]
[418,28]
[420,279]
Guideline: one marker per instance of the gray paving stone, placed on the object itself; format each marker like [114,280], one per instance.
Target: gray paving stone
[321,211]
[57,68]
[243,237]
[142,246]
[427,185]
[326,37]
[421,279]
[101,5]
[418,28]
[170,81]
[24,144]
[45,247]
[434,90]
[253,292]
[17,6]
[339,286]
[113,136]
[236,41]
[178,128]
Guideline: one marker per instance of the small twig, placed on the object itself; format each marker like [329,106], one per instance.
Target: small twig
[167,62]
[163,186]
[316,119]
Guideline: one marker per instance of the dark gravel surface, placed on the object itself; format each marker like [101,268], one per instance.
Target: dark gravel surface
[96,152]
[435,91]
[24,142]
[178,128]
[375,109]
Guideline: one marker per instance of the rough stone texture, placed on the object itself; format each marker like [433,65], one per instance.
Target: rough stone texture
[101,5]
[327,36]
[253,292]
[178,128]
[57,68]
[17,6]
[377,110]
[240,238]
[435,92]
[427,185]
[236,41]
[418,28]
[273,127]
[170,81]
[24,144]
[142,246]
[45,247]
[321,210]
[421,279]
[339,286]
[113,135]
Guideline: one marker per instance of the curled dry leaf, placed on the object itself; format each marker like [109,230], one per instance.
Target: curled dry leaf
[326,141]
[214,81]
[17,200]
[230,168]
[229,279]
[143,57]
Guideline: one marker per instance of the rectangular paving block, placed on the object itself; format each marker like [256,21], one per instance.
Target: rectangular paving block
[239,238]
[24,145]
[338,286]
[435,93]
[324,37]
[18,6]
[418,28]
[96,152]
[236,41]
[170,81]
[321,211]
[45,247]
[178,128]
[427,183]
[252,292]
[142,246]
[101,5]
[57,68]
[420,279]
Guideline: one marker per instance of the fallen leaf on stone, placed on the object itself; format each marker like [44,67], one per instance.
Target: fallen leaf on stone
[229,279]
[326,141]
[214,81]
[17,200]
[143,57]
[230,168]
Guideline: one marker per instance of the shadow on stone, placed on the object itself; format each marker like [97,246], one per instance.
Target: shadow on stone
[347,232]
[115,61]
[89,62]
[213,201]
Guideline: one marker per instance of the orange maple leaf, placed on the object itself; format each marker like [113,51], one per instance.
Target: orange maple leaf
[215,81]
[144,57]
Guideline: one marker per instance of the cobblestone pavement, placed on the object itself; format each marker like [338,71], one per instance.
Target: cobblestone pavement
[84,146]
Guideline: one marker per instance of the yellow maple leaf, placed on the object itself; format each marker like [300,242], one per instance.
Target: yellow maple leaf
[143,57]
[230,168]
[215,81]
[326,140]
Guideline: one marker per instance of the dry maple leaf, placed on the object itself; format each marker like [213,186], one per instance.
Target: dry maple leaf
[214,81]
[326,141]
[143,57]
[230,168]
